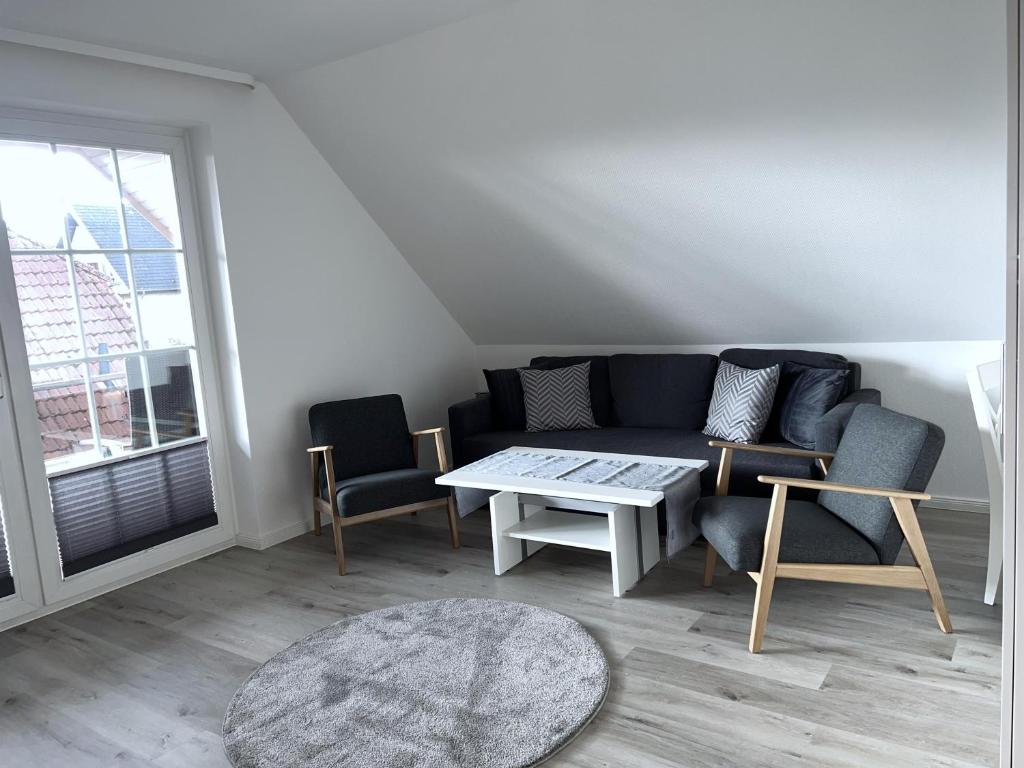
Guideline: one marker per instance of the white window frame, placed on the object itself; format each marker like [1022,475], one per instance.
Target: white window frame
[21,552]
[46,127]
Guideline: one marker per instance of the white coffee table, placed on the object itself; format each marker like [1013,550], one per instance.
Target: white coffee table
[527,513]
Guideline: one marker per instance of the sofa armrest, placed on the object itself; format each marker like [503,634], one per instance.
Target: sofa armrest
[831,426]
[468,418]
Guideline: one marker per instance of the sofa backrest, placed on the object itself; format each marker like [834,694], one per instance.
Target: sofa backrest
[765,358]
[664,391]
[674,391]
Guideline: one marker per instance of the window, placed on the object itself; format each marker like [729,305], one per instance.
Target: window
[103,293]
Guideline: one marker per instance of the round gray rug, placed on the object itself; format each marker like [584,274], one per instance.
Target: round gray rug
[439,684]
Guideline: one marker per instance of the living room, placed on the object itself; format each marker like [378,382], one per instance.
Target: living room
[693,310]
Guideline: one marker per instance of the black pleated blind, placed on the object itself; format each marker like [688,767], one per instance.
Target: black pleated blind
[6,581]
[107,512]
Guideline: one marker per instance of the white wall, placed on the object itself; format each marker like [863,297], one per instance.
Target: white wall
[312,300]
[687,171]
[925,379]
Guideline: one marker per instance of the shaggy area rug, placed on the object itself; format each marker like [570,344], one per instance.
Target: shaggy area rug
[439,684]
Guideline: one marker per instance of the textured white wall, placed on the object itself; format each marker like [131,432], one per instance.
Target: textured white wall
[925,379]
[686,171]
[312,300]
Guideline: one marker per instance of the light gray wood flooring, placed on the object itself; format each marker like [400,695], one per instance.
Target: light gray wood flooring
[850,676]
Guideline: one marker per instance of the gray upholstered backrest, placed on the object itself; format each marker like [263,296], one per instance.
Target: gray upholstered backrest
[885,449]
[369,434]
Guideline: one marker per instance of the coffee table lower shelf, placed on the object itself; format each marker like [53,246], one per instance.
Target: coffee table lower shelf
[570,529]
[521,524]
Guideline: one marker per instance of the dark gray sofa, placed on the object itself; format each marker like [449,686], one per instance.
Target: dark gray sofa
[657,405]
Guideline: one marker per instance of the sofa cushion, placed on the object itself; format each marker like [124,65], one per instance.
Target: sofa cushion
[665,391]
[810,394]
[676,443]
[507,407]
[600,387]
[735,526]
[557,399]
[741,402]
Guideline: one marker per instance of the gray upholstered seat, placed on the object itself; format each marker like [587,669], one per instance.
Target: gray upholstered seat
[382,490]
[879,448]
[736,525]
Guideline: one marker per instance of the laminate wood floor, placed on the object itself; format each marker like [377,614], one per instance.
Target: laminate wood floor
[850,676]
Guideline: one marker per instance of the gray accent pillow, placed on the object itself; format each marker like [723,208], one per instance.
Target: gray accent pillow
[741,403]
[812,393]
[557,399]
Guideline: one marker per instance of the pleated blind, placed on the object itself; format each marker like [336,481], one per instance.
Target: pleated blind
[107,512]
[6,581]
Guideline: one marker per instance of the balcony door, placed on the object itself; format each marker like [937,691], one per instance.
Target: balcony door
[108,356]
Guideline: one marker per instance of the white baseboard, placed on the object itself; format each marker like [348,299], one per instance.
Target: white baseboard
[957,505]
[301,527]
[277,536]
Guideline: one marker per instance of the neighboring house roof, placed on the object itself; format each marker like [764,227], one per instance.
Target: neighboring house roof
[51,330]
[153,272]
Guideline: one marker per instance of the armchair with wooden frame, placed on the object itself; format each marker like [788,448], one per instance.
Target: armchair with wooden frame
[365,467]
[852,534]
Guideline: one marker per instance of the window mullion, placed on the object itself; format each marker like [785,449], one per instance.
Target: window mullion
[90,396]
[147,392]
[76,304]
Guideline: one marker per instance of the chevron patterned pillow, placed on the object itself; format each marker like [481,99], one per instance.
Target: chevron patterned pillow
[557,399]
[741,403]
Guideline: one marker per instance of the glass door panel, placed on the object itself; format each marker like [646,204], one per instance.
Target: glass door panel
[20,588]
[109,386]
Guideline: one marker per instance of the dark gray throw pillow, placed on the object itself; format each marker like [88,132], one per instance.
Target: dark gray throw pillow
[813,393]
[557,399]
[506,390]
[741,402]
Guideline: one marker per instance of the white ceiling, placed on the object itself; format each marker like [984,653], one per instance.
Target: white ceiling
[264,38]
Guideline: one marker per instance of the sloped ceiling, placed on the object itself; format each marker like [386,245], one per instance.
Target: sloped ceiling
[594,171]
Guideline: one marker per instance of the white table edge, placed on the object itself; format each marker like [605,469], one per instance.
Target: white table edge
[584,491]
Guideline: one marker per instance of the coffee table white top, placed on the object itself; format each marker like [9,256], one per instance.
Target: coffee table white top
[467,478]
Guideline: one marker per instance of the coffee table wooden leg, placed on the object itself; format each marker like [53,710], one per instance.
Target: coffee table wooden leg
[508,552]
[622,527]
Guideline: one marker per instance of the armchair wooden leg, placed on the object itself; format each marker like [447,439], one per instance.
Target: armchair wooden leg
[314,465]
[710,559]
[339,546]
[762,602]
[769,564]
[907,518]
[453,523]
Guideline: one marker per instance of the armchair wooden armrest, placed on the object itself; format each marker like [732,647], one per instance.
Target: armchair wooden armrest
[780,450]
[725,465]
[320,448]
[824,485]
[438,433]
